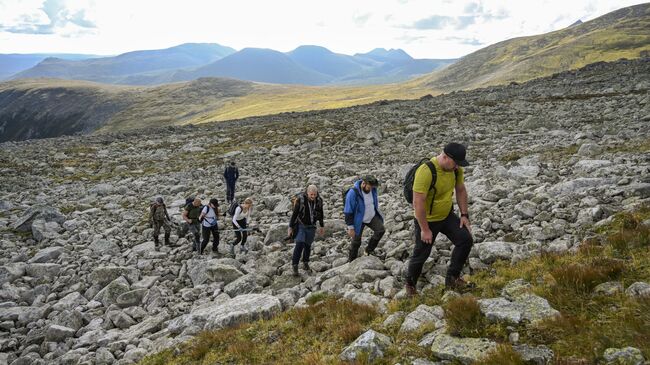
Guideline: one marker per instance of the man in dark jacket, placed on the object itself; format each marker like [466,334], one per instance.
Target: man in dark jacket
[361,210]
[307,210]
[231,174]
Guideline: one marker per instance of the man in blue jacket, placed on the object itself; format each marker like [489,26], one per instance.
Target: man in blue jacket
[361,210]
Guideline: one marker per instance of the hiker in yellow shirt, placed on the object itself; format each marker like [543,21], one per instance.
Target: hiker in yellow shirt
[434,213]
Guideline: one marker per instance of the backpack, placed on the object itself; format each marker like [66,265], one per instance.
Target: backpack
[345,193]
[232,208]
[409,179]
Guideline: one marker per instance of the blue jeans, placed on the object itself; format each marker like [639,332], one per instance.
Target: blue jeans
[304,239]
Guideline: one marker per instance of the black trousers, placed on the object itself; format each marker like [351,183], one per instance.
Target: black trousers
[460,237]
[378,231]
[230,191]
[206,237]
[240,236]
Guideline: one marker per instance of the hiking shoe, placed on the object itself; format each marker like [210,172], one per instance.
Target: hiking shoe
[243,249]
[295,270]
[457,283]
[305,265]
[411,291]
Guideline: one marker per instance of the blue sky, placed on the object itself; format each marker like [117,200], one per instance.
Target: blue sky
[423,28]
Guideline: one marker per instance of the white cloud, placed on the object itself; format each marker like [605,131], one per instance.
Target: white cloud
[423,28]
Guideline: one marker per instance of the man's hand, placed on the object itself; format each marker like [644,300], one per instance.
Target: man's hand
[289,232]
[321,231]
[426,236]
[351,232]
[464,222]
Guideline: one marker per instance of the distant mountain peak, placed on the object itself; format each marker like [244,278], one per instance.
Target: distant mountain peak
[388,54]
[577,22]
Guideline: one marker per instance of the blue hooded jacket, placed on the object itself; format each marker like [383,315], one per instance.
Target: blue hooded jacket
[355,208]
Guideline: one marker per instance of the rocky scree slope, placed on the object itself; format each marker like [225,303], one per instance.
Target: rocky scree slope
[81,281]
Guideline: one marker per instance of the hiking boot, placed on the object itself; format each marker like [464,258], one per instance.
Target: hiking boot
[167,243]
[411,291]
[243,249]
[457,283]
[295,270]
[156,242]
[305,265]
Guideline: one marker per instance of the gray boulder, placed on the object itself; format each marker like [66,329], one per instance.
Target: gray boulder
[42,230]
[109,294]
[105,274]
[638,290]
[422,316]
[491,251]
[45,213]
[247,284]
[48,254]
[57,333]
[537,355]
[464,350]
[104,247]
[624,356]
[372,344]
[242,309]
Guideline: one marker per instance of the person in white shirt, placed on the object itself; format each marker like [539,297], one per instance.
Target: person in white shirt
[240,222]
[362,209]
[209,224]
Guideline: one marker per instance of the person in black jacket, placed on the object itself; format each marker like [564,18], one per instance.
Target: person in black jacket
[307,210]
[231,174]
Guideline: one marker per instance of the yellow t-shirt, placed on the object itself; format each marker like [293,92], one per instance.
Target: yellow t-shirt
[444,189]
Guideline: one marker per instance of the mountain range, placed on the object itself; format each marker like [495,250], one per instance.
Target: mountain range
[306,65]
[38,108]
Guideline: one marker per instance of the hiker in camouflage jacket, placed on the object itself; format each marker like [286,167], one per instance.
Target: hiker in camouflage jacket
[158,217]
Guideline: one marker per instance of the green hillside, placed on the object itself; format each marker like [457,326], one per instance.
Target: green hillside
[624,33]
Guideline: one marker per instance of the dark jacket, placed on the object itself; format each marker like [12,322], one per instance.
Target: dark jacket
[302,213]
[231,174]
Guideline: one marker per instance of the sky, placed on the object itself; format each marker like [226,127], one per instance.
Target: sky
[422,28]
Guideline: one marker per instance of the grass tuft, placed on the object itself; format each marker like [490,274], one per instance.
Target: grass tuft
[504,354]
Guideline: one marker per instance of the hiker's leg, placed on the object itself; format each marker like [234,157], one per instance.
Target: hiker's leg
[156,230]
[378,230]
[421,253]
[310,234]
[462,240]
[237,234]
[195,231]
[215,236]
[354,247]
[205,231]
[168,231]
[297,252]
[244,234]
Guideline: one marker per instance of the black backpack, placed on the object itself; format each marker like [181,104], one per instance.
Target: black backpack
[409,179]
[233,207]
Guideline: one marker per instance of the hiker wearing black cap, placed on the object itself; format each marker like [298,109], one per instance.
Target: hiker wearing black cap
[231,174]
[158,217]
[434,213]
[209,224]
[362,209]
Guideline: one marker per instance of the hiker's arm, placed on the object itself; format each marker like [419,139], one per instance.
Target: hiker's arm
[419,201]
[167,214]
[461,199]
[203,213]
[189,221]
[348,210]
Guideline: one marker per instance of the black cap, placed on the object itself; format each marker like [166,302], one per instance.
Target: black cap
[457,153]
[369,179]
[159,200]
